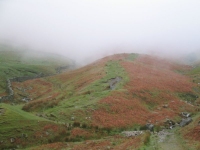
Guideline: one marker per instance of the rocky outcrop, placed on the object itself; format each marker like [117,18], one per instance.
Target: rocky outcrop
[26,99]
[150,126]
[185,114]
[12,140]
[169,124]
[113,82]
[185,121]
[131,133]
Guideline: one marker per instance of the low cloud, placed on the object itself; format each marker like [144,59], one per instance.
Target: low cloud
[85,30]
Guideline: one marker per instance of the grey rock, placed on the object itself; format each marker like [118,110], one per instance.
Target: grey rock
[131,133]
[113,82]
[185,121]
[185,114]
[12,140]
[169,124]
[150,126]
[165,106]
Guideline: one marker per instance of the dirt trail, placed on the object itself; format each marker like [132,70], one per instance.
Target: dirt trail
[170,143]
[165,140]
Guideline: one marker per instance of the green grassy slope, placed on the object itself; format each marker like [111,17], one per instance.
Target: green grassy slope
[87,97]
[23,127]
[17,63]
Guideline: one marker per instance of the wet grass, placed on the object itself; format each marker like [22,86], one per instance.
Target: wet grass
[88,97]
[26,129]
[15,64]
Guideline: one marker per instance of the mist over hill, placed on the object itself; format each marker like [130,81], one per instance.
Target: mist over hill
[193,58]
[105,102]
[100,74]
[88,30]
[24,63]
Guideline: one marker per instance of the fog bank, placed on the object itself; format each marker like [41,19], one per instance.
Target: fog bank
[85,30]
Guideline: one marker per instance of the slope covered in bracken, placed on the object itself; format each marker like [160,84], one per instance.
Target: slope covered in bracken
[145,89]
[152,83]
[23,63]
[192,132]
[44,92]
[148,83]
[115,143]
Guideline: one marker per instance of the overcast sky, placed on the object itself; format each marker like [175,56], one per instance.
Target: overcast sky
[82,29]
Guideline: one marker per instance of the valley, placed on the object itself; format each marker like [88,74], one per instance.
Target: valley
[92,106]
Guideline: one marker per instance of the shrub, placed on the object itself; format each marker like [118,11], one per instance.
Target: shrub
[147,138]
[198,146]
[143,127]
[84,125]
[157,128]
[76,124]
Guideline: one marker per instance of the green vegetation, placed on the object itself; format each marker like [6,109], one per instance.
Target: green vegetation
[132,57]
[188,97]
[89,96]
[17,111]
[147,138]
[67,107]
[195,71]
[14,122]
[113,69]
[15,63]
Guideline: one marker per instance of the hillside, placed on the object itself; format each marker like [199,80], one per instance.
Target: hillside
[119,93]
[192,58]
[147,84]
[22,63]
[20,128]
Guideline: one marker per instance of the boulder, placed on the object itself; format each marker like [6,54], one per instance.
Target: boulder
[185,114]
[113,82]
[12,140]
[185,121]
[165,106]
[131,133]
[150,126]
[170,124]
